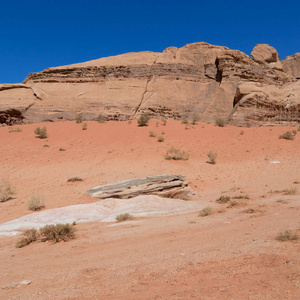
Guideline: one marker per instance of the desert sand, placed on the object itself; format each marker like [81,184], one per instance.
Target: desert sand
[230,254]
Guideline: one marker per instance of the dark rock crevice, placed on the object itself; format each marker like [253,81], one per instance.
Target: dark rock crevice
[219,74]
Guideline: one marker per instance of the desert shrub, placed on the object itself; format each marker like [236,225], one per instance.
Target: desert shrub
[17,129]
[205,211]
[58,232]
[223,199]
[84,126]
[176,154]
[41,132]
[212,156]
[185,122]
[195,119]
[46,146]
[7,190]
[143,120]
[232,204]
[160,139]
[241,197]
[62,149]
[287,236]
[152,133]
[101,119]
[242,132]
[73,179]
[291,191]
[164,122]
[78,118]
[287,136]
[29,236]
[124,217]
[249,211]
[36,202]
[294,132]
[299,128]
[157,123]
[162,132]
[220,122]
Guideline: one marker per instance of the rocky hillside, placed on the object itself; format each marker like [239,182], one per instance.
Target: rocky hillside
[212,81]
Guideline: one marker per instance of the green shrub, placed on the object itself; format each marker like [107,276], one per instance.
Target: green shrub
[287,136]
[185,122]
[41,132]
[176,154]
[101,119]
[124,217]
[160,139]
[143,120]
[78,118]
[287,236]
[6,190]
[62,149]
[36,203]
[205,211]
[164,122]
[223,199]
[58,232]
[73,179]
[242,132]
[152,133]
[84,126]
[196,118]
[220,122]
[29,236]
[212,156]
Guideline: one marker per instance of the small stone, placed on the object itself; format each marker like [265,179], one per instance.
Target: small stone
[288,261]
[25,282]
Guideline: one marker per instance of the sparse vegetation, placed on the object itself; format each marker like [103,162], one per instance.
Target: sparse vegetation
[212,156]
[223,199]
[287,136]
[36,203]
[46,146]
[196,118]
[124,217]
[232,204]
[220,122]
[29,236]
[287,236]
[7,190]
[242,132]
[291,191]
[176,154]
[17,129]
[84,126]
[205,211]
[73,179]
[157,123]
[62,149]
[101,119]
[41,133]
[241,197]
[185,122]
[160,139]
[143,120]
[164,121]
[152,133]
[294,132]
[58,232]
[249,211]
[78,118]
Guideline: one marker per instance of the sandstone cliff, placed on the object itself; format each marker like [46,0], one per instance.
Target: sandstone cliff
[213,81]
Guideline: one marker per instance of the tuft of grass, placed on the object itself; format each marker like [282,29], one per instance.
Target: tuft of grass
[29,236]
[78,118]
[17,129]
[287,136]
[143,120]
[242,132]
[287,236]
[7,190]
[152,133]
[58,232]
[205,211]
[84,126]
[195,119]
[220,122]
[160,139]
[41,133]
[185,122]
[223,199]
[176,154]
[46,146]
[62,149]
[294,131]
[241,197]
[157,123]
[249,211]
[36,202]
[101,119]
[232,204]
[212,156]
[164,121]
[73,179]
[124,217]
[291,191]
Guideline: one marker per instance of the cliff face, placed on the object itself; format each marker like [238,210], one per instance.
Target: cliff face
[197,78]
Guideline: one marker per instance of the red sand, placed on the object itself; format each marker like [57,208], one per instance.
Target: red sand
[228,255]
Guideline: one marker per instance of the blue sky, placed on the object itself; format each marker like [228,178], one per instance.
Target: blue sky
[39,34]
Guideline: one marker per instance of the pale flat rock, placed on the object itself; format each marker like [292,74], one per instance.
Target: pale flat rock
[104,211]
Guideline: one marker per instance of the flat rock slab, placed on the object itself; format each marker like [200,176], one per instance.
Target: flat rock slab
[104,211]
[168,186]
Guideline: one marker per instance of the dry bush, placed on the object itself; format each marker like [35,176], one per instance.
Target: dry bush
[287,236]
[212,156]
[41,133]
[205,211]
[36,203]
[29,236]
[176,154]
[160,139]
[84,126]
[124,217]
[58,232]
[220,122]
[287,136]
[143,120]
[7,190]
[196,118]
[73,179]
[164,122]
[241,197]
[152,133]
[101,119]
[17,129]
[291,191]
[223,199]
[78,118]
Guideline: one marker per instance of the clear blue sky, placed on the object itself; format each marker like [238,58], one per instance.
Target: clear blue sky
[39,34]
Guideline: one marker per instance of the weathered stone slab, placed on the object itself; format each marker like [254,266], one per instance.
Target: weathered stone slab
[167,186]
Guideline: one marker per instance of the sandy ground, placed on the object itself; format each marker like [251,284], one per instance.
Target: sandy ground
[231,254]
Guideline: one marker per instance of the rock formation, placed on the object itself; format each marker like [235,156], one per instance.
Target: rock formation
[197,78]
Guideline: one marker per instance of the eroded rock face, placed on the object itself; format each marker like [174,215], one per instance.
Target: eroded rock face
[197,78]
[291,65]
